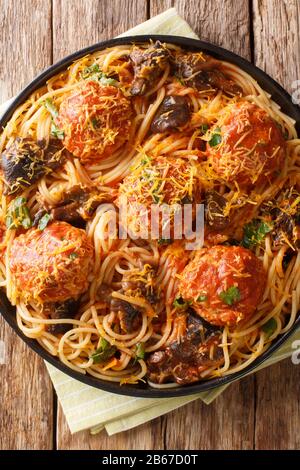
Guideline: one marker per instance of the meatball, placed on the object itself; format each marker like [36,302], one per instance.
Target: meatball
[224,284]
[247,146]
[52,265]
[156,184]
[95,120]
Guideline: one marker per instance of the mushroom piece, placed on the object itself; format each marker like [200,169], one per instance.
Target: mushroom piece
[60,311]
[173,113]
[148,64]
[183,361]
[129,317]
[285,218]
[24,161]
[214,211]
[77,205]
[203,72]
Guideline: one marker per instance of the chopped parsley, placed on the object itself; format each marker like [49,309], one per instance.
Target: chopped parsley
[181,304]
[73,256]
[269,327]
[93,72]
[231,295]
[216,138]
[104,352]
[202,298]
[88,71]
[95,123]
[50,106]
[203,128]
[18,214]
[139,351]
[43,222]
[54,130]
[254,233]
[57,132]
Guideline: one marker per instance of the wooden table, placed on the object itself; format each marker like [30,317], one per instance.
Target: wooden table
[260,412]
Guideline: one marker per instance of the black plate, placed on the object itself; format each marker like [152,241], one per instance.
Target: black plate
[278,94]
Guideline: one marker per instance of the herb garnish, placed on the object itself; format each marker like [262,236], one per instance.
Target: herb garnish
[139,351]
[54,130]
[104,352]
[203,128]
[18,214]
[57,132]
[269,327]
[202,298]
[231,295]
[50,106]
[93,72]
[43,222]
[181,304]
[216,138]
[254,233]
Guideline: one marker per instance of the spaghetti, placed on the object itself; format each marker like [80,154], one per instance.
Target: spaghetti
[151,124]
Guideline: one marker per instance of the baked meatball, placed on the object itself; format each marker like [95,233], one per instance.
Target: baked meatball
[51,265]
[95,120]
[247,146]
[224,284]
[155,183]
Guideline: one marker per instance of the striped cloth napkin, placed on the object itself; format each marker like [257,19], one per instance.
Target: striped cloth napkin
[89,408]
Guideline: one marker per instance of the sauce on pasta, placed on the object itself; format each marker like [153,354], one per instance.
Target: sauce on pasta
[125,129]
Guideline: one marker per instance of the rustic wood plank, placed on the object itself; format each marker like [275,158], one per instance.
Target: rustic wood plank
[26,391]
[276,30]
[228,423]
[83,23]
[223,22]
[277,51]
[146,437]
[277,407]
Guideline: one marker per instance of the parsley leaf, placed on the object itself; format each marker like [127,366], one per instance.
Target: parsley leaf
[104,352]
[181,304]
[93,72]
[50,106]
[203,128]
[231,295]
[269,327]
[216,138]
[43,222]
[254,233]
[202,298]
[73,256]
[139,351]
[18,214]
[88,71]
[56,132]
